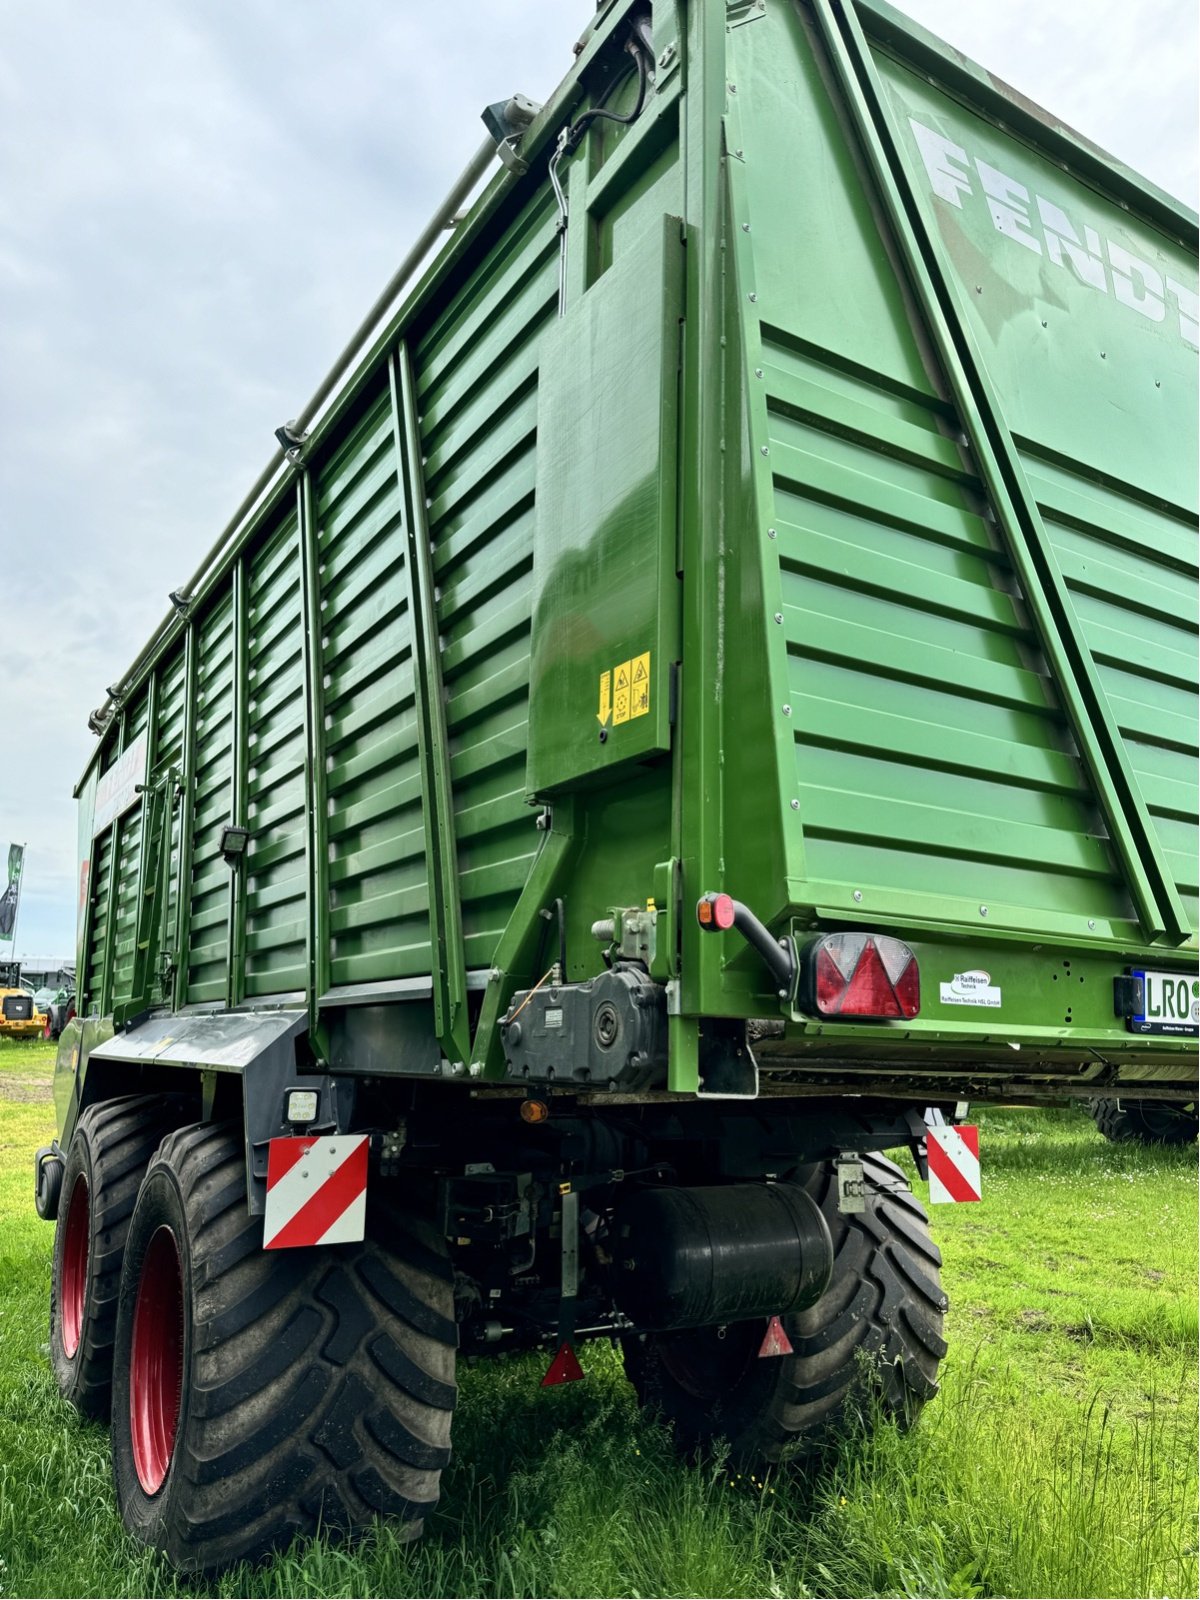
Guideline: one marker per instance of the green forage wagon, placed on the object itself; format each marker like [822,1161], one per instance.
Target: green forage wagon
[710,675]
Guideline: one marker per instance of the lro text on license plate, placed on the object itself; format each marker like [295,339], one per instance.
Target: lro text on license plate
[1170,1004]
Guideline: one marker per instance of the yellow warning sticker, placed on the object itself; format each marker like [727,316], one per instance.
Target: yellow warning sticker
[639,687]
[625,691]
[621,693]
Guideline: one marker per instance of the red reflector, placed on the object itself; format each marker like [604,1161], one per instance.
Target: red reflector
[715,913]
[864,975]
[564,1368]
[775,1341]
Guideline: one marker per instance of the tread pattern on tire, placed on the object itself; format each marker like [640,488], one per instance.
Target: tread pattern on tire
[879,1320]
[1123,1122]
[321,1383]
[122,1136]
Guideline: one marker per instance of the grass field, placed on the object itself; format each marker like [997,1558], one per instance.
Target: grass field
[1059,1459]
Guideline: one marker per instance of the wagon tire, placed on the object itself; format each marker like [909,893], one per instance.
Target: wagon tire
[106,1160]
[1144,1121]
[870,1346]
[264,1394]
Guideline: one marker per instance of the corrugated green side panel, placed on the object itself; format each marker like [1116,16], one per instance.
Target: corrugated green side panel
[211,801]
[101,877]
[1131,568]
[477,374]
[1087,316]
[166,751]
[276,865]
[128,864]
[379,903]
[930,754]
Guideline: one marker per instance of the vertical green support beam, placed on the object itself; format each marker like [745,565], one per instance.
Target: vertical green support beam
[512,964]
[1159,908]
[108,962]
[445,908]
[235,986]
[146,885]
[187,812]
[319,953]
[83,940]
[698,748]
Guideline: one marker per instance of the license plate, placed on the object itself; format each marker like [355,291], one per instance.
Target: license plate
[1169,1003]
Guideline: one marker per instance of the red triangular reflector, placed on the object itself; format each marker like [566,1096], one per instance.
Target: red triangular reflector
[870,992]
[564,1368]
[775,1341]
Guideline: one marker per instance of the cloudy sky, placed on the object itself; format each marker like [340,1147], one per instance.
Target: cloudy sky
[199,199]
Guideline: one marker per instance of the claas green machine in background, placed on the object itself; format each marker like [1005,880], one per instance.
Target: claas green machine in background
[711,676]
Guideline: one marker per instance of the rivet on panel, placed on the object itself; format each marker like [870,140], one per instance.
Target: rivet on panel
[1104,355]
[858,897]
[758,372]
[779,616]
[983,911]
[770,533]
[787,711]
[745,227]
[764,450]
[1091,922]
[752,297]
[795,805]
[978,288]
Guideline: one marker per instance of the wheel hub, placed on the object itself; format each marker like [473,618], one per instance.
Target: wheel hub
[76,1248]
[156,1361]
[710,1362]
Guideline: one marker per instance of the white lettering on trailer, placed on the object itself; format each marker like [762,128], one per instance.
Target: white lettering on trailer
[118,787]
[973,988]
[1009,205]
[1042,226]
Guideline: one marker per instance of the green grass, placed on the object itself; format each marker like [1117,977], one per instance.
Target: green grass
[1059,1458]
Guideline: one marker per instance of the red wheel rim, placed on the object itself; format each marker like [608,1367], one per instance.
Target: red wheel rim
[156,1361]
[74,1267]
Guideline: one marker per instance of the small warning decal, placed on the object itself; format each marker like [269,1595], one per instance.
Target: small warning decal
[625,691]
[953,1155]
[971,989]
[621,693]
[316,1191]
[639,685]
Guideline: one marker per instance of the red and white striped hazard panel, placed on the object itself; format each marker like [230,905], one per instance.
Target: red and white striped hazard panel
[316,1191]
[953,1155]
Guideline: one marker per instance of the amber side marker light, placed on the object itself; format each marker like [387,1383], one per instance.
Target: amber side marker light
[715,912]
[534,1111]
[860,977]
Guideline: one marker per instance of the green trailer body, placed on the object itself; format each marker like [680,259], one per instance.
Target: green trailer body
[865,438]
[787,493]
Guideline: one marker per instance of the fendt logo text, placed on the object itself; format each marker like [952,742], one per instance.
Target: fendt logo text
[1044,227]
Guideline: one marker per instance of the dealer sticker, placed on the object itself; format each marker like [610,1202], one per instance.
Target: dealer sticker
[973,988]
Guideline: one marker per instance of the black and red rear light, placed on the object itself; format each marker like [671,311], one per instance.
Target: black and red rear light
[859,977]
[715,912]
